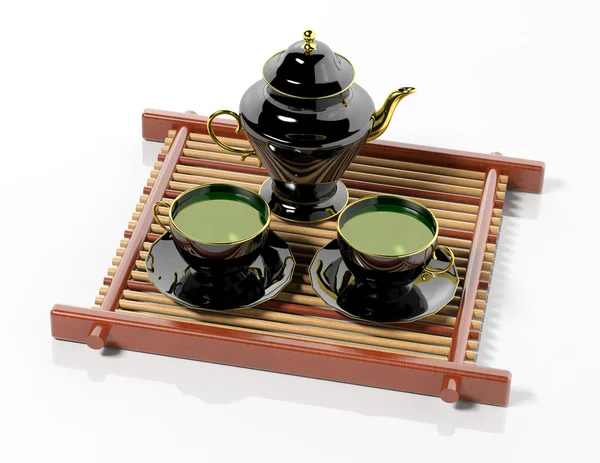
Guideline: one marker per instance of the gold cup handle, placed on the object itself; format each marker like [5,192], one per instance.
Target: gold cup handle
[155,207]
[245,152]
[435,271]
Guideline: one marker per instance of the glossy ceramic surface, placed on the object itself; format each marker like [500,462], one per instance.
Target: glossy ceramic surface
[217,257]
[318,128]
[329,200]
[395,269]
[307,119]
[335,283]
[308,69]
[265,277]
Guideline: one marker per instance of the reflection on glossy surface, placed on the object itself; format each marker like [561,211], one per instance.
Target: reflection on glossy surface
[267,276]
[383,116]
[381,301]
[398,269]
[308,119]
[328,200]
[216,257]
[336,121]
[308,69]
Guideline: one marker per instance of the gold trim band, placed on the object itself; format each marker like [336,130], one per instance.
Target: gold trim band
[435,271]
[309,222]
[155,207]
[310,97]
[245,152]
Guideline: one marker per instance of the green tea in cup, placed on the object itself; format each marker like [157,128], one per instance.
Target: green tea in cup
[390,239]
[387,229]
[219,220]
[217,228]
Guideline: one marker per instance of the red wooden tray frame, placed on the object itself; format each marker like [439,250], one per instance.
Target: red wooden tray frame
[451,380]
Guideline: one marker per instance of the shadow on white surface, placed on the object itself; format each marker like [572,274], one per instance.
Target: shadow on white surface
[495,317]
[522,206]
[554,184]
[518,205]
[150,152]
[220,384]
[528,205]
[520,396]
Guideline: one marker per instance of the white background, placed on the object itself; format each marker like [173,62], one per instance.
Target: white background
[517,77]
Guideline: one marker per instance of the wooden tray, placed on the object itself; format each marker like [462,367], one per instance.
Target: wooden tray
[296,333]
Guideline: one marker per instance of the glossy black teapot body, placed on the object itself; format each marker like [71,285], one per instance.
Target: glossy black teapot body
[307,120]
[306,141]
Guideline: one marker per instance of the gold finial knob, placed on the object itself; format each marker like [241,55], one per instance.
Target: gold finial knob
[309,36]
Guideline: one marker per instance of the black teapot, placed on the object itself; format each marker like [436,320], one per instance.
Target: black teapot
[306,120]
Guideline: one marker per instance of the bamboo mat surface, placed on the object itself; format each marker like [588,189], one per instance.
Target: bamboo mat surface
[452,194]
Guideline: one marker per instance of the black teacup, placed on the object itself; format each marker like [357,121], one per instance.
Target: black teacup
[218,229]
[390,240]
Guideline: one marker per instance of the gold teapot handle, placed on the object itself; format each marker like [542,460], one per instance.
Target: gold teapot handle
[245,152]
[155,207]
[429,271]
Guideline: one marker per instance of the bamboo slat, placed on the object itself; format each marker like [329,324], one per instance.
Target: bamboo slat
[280,323]
[201,141]
[298,311]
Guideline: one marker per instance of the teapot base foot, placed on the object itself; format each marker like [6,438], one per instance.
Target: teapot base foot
[305,213]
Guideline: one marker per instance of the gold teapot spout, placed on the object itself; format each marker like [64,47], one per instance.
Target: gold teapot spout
[382,116]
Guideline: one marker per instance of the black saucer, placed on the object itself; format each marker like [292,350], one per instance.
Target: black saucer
[267,276]
[382,303]
[315,212]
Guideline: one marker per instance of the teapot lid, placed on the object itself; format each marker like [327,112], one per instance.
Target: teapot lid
[308,69]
